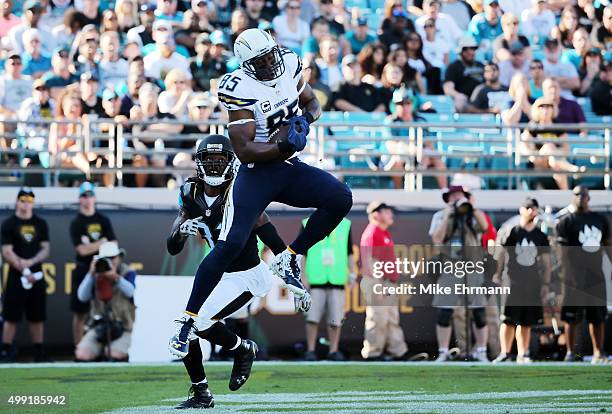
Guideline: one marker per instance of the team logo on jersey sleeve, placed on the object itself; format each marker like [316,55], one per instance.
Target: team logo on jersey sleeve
[27,233]
[266,106]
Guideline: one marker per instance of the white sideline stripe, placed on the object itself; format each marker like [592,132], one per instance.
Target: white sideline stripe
[88,365]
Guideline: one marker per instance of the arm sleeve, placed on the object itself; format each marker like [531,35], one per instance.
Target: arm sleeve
[349,247]
[125,287]
[85,291]
[270,237]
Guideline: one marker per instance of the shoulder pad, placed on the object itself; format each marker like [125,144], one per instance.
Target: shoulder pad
[293,63]
[235,91]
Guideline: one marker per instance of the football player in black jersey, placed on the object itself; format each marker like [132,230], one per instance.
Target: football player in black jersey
[202,201]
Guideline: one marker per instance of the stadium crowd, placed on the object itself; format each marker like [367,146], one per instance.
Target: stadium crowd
[157,64]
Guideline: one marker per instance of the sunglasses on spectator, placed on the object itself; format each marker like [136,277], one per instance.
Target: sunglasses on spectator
[472,48]
[41,88]
[545,106]
[429,26]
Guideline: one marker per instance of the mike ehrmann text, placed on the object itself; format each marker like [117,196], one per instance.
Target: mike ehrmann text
[436,289]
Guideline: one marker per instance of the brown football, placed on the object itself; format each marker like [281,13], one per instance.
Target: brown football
[280,134]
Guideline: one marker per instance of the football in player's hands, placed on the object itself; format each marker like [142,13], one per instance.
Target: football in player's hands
[280,133]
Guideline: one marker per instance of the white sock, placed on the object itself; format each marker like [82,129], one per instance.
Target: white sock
[481,349]
[204,381]
[442,350]
[237,343]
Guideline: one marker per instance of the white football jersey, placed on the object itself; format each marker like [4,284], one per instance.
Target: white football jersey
[271,105]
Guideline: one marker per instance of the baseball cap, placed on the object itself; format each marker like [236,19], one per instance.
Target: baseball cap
[218,38]
[109,95]
[87,188]
[516,47]
[195,3]
[147,7]
[13,55]
[466,41]
[454,189]
[203,38]
[32,4]
[594,51]
[38,84]
[489,2]
[61,50]
[377,205]
[360,21]
[162,24]
[530,202]
[25,194]
[551,42]
[349,60]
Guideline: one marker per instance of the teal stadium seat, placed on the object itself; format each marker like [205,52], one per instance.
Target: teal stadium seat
[441,103]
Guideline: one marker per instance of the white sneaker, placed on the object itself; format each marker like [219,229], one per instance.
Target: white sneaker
[522,359]
[501,358]
[480,356]
[185,333]
[599,360]
[443,357]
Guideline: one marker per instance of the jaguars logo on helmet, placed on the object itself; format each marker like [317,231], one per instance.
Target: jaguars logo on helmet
[212,170]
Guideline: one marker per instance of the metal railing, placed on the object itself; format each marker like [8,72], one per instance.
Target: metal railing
[356,149]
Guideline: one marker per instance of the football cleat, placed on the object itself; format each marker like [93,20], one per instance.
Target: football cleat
[303,303]
[285,265]
[202,398]
[480,356]
[185,332]
[569,357]
[244,356]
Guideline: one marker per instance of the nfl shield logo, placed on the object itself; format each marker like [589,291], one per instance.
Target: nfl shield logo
[265,106]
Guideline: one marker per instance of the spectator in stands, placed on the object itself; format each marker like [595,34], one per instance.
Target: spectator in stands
[515,7]
[568,24]
[391,80]
[110,24]
[589,70]
[372,59]
[510,35]
[569,112]
[291,30]
[404,111]
[7,19]
[329,13]
[446,28]
[92,12]
[221,14]
[459,10]
[90,100]
[113,68]
[382,329]
[589,12]
[548,155]
[60,76]
[520,107]
[176,96]
[165,58]
[490,96]
[40,107]
[89,230]
[168,10]
[328,63]
[418,62]
[353,94]
[536,78]
[32,12]
[186,34]
[14,87]
[565,73]
[204,66]
[35,63]
[143,33]
[411,77]
[538,21]
[581,44]
[202,11]
[35,113]
[86,61]
[485,27]
[398,26]
[239,23]
[464,74]
[25,245]
[603,34]
[65,33]
[319,29]
[435,50]
[130,99]
[600,94]
[256,13]
[329,273]
[201,107]
[519,62]
[360,35]
[109,287]
[313,77]
[127,15]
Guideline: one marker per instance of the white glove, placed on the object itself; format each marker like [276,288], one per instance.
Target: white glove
[190,227]
[302,304]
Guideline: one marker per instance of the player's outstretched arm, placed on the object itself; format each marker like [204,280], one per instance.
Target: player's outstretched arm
[265,230]
[309,104]
[176,240]
[242,134]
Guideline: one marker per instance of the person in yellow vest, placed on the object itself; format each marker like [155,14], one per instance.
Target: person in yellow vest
[329,267]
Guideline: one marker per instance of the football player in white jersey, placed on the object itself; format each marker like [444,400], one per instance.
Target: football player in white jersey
[270,110]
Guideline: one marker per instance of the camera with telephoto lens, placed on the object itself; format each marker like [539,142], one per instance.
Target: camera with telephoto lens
[463,208]
[102,264]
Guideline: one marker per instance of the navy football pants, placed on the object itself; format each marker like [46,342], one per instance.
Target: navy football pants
[290,182]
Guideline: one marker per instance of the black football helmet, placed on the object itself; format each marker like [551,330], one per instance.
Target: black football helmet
[211,168]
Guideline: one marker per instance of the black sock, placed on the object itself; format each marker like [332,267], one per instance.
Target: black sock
[193,362]
[219,334]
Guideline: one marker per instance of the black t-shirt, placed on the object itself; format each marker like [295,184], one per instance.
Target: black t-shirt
[95,109]
[601,98]
[364,95]
[500,42]
[465,78]
[205,70]
[524,247]
[25,236]
[480,95]
[604,36]
[586,232]
[89,229]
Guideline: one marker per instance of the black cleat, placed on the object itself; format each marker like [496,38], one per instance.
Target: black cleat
[244,356]
[202,398]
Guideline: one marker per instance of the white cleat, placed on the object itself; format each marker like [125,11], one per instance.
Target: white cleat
[185,333]
[285,265]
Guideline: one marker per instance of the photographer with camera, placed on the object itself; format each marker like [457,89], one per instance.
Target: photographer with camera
[458,230]
[109,285]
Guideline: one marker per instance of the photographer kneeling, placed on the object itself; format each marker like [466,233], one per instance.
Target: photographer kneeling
[458,230]
[109,285]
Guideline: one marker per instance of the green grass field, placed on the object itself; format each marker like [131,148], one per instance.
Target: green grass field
[324,387]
